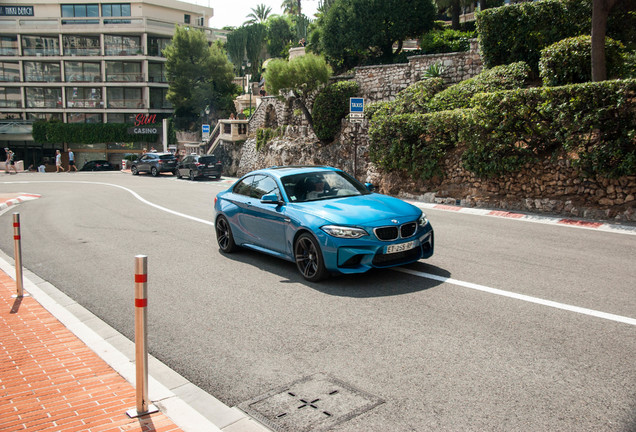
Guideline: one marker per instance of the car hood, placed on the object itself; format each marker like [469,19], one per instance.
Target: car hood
[360,210]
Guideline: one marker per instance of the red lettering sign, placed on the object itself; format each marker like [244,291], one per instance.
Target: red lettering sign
[142,119]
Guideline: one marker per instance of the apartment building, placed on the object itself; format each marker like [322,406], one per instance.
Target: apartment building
[85,62]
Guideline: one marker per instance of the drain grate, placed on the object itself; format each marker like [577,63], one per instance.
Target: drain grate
[313,403]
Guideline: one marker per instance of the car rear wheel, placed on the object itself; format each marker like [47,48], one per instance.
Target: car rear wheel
[224,235]
[309,258]
[133,170]
[192,176]
[177,173]
[154,171]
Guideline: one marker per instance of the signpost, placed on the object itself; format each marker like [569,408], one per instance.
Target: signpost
[356,110]
[205,132]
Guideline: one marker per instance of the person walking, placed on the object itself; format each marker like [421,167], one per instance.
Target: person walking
[71,161]
[58,161]
[10,163]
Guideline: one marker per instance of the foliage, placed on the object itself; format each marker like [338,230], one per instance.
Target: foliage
[258,14]
[498,78]
[355,29]
[256,34]
[594,122]
[436,70]
[331,106]
[519,32]
[570,61]
[235,47]
[300,77]
[413,99]
[415,143]
[279,36]
[265,135]
[445,41]
[199,75]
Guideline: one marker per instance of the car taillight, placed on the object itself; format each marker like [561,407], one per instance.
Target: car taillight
[214,201]
[198,164]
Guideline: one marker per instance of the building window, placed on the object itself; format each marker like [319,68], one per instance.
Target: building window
[84,118]
[80,11]
[157,72]
[123,72]
[121,118]
[186,19]
[8,45]
[122,45]
[125,97]
[81,45]
[44,116]
[116,10]
[42,72]
[40,45]
[158,98]
[9,71]
[156,45]
[84,97]
[43,97]
[10,98]
[82,72]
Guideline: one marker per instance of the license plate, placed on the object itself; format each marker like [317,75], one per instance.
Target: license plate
[401,247]
[211,166]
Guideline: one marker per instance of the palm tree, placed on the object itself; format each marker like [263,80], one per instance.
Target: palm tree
[258,15]
[291,7]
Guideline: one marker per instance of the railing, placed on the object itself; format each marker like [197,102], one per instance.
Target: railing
[124,77]
[85,103]
[126,103]
[16,126]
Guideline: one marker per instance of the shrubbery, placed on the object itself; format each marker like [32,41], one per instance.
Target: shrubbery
[413,99]
[57,132]
[570,61]
[445,41]
[330,107]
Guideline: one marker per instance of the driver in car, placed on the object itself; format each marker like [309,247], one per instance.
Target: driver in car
[317,191]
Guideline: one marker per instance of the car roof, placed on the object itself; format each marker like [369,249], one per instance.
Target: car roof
[282,171]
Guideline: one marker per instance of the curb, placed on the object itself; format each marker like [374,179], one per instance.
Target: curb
[20,197]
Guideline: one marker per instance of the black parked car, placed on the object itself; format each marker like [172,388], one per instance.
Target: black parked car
[97,165]
[195,166]
[154,163]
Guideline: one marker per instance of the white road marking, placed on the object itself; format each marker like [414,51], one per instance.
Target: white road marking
[522,297]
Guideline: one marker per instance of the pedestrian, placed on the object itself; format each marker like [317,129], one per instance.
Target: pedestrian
[71,161]
[58,161]
[10,163]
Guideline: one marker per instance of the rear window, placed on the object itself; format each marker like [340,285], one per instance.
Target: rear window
[166,157]
[207,159]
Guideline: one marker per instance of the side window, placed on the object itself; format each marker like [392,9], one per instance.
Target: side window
[264,185]
[243,187]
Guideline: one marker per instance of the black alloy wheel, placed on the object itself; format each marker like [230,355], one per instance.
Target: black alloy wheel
[224,235]
[309,258]
[134,170]
[177,173]
[154,171]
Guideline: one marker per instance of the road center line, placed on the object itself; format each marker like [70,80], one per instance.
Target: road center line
[522,297]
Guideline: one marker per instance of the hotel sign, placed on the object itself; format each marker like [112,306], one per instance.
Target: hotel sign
[16,10]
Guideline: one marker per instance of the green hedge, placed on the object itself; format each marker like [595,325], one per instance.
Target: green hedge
[594,124]
[569,61]
[413,99]
[498,78]
[415,143]
[57,132]
[519,32]
[331,106]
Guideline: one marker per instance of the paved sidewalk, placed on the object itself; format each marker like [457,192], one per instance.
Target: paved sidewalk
[51,381]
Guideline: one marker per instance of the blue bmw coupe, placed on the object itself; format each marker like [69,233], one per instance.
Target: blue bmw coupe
[322,219]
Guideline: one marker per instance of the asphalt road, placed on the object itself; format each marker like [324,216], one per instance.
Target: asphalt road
[436,353]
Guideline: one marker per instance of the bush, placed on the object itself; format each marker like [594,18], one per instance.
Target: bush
[445,41]
[498,78]
[415,143]
[330,107]
[265,135]
[570,61]
[56,132]
[413,99]
[593,123]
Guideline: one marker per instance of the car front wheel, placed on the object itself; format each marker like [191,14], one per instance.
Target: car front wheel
[224,235]
[154,171]
[134,170]
[177,173]
[309,258]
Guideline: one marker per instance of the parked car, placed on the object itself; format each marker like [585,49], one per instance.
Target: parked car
[322,219]
[195,166]
[154,163]
[97,165]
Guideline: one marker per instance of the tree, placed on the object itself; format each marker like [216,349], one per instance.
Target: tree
[199,75]
[279,36]
[259,15]
[235,45]
[291,7]
[600,11]
[354,28]
[301,78]
[256,34]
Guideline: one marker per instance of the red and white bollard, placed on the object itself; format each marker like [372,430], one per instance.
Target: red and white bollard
[143,407]
[17,240]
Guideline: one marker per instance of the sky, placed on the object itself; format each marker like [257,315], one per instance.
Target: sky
[234,12]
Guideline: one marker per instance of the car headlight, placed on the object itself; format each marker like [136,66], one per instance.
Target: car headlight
[344,232]
[423,220]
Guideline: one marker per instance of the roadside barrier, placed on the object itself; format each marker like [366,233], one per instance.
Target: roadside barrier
[17,242]
[143,407]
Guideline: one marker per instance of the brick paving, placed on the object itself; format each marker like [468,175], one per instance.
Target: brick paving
[51,381]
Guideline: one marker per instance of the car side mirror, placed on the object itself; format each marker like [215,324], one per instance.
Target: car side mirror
[270,199]
[370,187]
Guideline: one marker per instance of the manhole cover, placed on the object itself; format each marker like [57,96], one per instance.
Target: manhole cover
[314,403]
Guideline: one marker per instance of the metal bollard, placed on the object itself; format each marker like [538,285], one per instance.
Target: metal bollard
[141,353]
[18,257]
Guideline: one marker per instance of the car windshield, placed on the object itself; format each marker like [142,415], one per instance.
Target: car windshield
[207,159]
[321,185]
[166,156]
